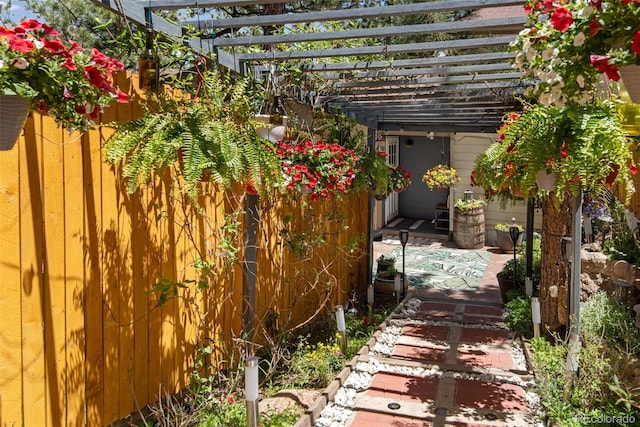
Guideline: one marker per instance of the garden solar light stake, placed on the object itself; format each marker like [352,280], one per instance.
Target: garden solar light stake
[251,390]
[342,329]
[404,238]
[535,315]
[514,233]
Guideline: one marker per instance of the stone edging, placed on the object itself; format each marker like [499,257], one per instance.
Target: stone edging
[309,417]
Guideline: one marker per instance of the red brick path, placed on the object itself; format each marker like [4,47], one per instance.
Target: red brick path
[458,346]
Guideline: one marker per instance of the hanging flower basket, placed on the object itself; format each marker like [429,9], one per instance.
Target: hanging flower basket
[546,181]
[631,79]
[440,177]
[13,114]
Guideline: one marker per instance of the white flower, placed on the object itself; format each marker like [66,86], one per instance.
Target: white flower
[586,11]
[582,99]
[550,53]
[552,77]
[545,99]
[19,63]
[531,53]
[580,81]
[579,39]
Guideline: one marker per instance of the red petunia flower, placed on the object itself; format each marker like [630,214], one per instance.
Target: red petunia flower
[601,62]
[564,152]
[561,19]
[635,44]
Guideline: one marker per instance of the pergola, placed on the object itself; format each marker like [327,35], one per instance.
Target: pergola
[461,83]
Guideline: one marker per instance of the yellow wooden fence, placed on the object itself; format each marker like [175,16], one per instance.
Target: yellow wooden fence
[82,340]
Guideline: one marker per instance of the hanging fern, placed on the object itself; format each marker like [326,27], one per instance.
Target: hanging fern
[210,136]
[584,146]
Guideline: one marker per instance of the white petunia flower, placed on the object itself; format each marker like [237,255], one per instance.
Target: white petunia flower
[549,53]
[19,63]
[579,39]
[545,99]
[580,81]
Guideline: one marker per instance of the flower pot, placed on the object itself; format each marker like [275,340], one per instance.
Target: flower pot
[506,284]
[504,241]
[13,113]
[546,181]
[631,79]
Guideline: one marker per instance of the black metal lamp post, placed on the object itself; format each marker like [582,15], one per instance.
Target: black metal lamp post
[404,238]
[514,233]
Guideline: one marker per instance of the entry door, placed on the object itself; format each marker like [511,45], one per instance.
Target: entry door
[391,202]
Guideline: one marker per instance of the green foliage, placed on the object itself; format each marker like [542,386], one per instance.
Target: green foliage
[503,226]
[317,358]
[623,243]
[468,204]
[521,265]
[313,365]
[584,146]
[605,317]
[211,136]
[603,386]
[519,316]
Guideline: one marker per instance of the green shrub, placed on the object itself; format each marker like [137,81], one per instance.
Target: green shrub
[521,266]
[518,318]
[603,386]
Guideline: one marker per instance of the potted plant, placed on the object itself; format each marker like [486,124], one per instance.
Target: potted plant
[208,135]
[385,262]
[584,147]
[399,179]
[568,46]
[318,168]
[440,177]
[468,223]
[41,72]
[504,241]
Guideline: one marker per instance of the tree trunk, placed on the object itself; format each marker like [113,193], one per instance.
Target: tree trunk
[555,224]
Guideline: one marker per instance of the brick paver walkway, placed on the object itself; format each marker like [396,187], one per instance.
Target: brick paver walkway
[468,377]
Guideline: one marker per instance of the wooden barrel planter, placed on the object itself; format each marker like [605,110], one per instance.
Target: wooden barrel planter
[468,228]
[386,286]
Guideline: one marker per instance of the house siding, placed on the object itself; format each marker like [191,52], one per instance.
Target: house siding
[465,147]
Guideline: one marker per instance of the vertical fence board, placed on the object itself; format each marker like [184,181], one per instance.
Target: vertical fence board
[31,239]
[169,270]
[94,252]
[10,337]
[141,250]
[75,374]
[53,292]
[125,311]
[158,223]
